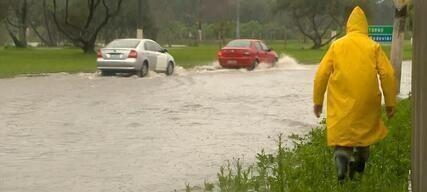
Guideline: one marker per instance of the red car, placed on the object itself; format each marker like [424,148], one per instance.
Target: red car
[246,53]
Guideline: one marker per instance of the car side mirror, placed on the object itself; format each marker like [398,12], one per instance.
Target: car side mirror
[269,49]
[163,50]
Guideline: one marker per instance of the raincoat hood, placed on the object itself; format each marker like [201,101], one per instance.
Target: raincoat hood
[357,21]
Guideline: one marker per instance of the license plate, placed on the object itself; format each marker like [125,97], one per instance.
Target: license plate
[115,56]
[231,62]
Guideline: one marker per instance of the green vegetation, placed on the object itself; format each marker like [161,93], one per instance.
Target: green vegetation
[298,50]
[303,54]
[309,165]
[407,50]
[189,57]
[15,61]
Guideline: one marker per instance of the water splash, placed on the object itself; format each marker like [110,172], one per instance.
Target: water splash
[213,66]
[285,62]
[180,71]
[288,62]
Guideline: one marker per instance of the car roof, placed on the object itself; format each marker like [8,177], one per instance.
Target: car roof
[133,39]
[245,40]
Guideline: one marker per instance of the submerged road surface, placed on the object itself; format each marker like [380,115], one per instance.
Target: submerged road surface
[83,132]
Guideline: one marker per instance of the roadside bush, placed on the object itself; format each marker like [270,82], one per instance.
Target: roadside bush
[309,166]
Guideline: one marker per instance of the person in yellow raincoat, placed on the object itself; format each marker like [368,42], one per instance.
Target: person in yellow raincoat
[349,72]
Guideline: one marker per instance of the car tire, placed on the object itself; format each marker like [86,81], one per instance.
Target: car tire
[170,69]
[143,71]
[276,60]
[107,73]
[253,66]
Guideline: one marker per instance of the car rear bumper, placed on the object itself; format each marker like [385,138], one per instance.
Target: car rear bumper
[125,65]
[233,62]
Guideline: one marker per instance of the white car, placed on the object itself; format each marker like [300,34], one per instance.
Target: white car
[134,55]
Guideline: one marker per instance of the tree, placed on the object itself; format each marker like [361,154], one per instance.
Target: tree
[167,13]
[83,29]
[26,15]
[125,23]
[315,18]
[42,24]
[396,55]
[220,12]
[17,22]
[256,10]
[251,29]
[204,19]
[148,23]
[4,6]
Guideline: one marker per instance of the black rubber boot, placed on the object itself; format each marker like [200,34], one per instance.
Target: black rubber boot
[360,166]
[341,163]
[352,169]
[361,155]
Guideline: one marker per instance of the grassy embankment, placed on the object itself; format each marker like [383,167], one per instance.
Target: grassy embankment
[309,166]
[15,61]
[44,60]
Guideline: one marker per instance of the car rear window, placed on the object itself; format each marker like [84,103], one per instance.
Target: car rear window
[124,43]
[239,43]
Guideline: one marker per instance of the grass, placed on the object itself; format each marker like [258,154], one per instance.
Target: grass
[407,50]
[298,50]
[189,57]
[303,54]
[309,165]
[14,61]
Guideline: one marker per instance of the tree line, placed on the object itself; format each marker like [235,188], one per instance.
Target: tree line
[84,23]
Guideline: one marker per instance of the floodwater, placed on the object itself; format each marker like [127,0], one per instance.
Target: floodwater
[84,132]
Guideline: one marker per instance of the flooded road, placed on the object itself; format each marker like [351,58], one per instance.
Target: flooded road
[83,132]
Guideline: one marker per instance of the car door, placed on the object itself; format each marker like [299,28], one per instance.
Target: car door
[149,53]
[158,60]
[269,56]
[262,54]
[161,57]
[258,49]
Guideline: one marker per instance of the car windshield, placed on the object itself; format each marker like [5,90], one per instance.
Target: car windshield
[124,43]
[239,43]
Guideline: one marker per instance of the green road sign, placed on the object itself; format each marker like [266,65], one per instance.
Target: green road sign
[381,33]
[380,29]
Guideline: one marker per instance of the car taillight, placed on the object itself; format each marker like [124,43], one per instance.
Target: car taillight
[133,54]
[219,53]
[99,54]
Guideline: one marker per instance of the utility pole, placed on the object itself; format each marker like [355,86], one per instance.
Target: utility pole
[419,98]
[139,30]
[238,19]
[396,55]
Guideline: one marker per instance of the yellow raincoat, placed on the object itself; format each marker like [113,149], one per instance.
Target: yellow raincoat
[349,71]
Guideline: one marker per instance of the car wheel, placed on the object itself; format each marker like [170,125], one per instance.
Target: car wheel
[143,71]
[107,73]
[276,60]
[254,65]
[170,69]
